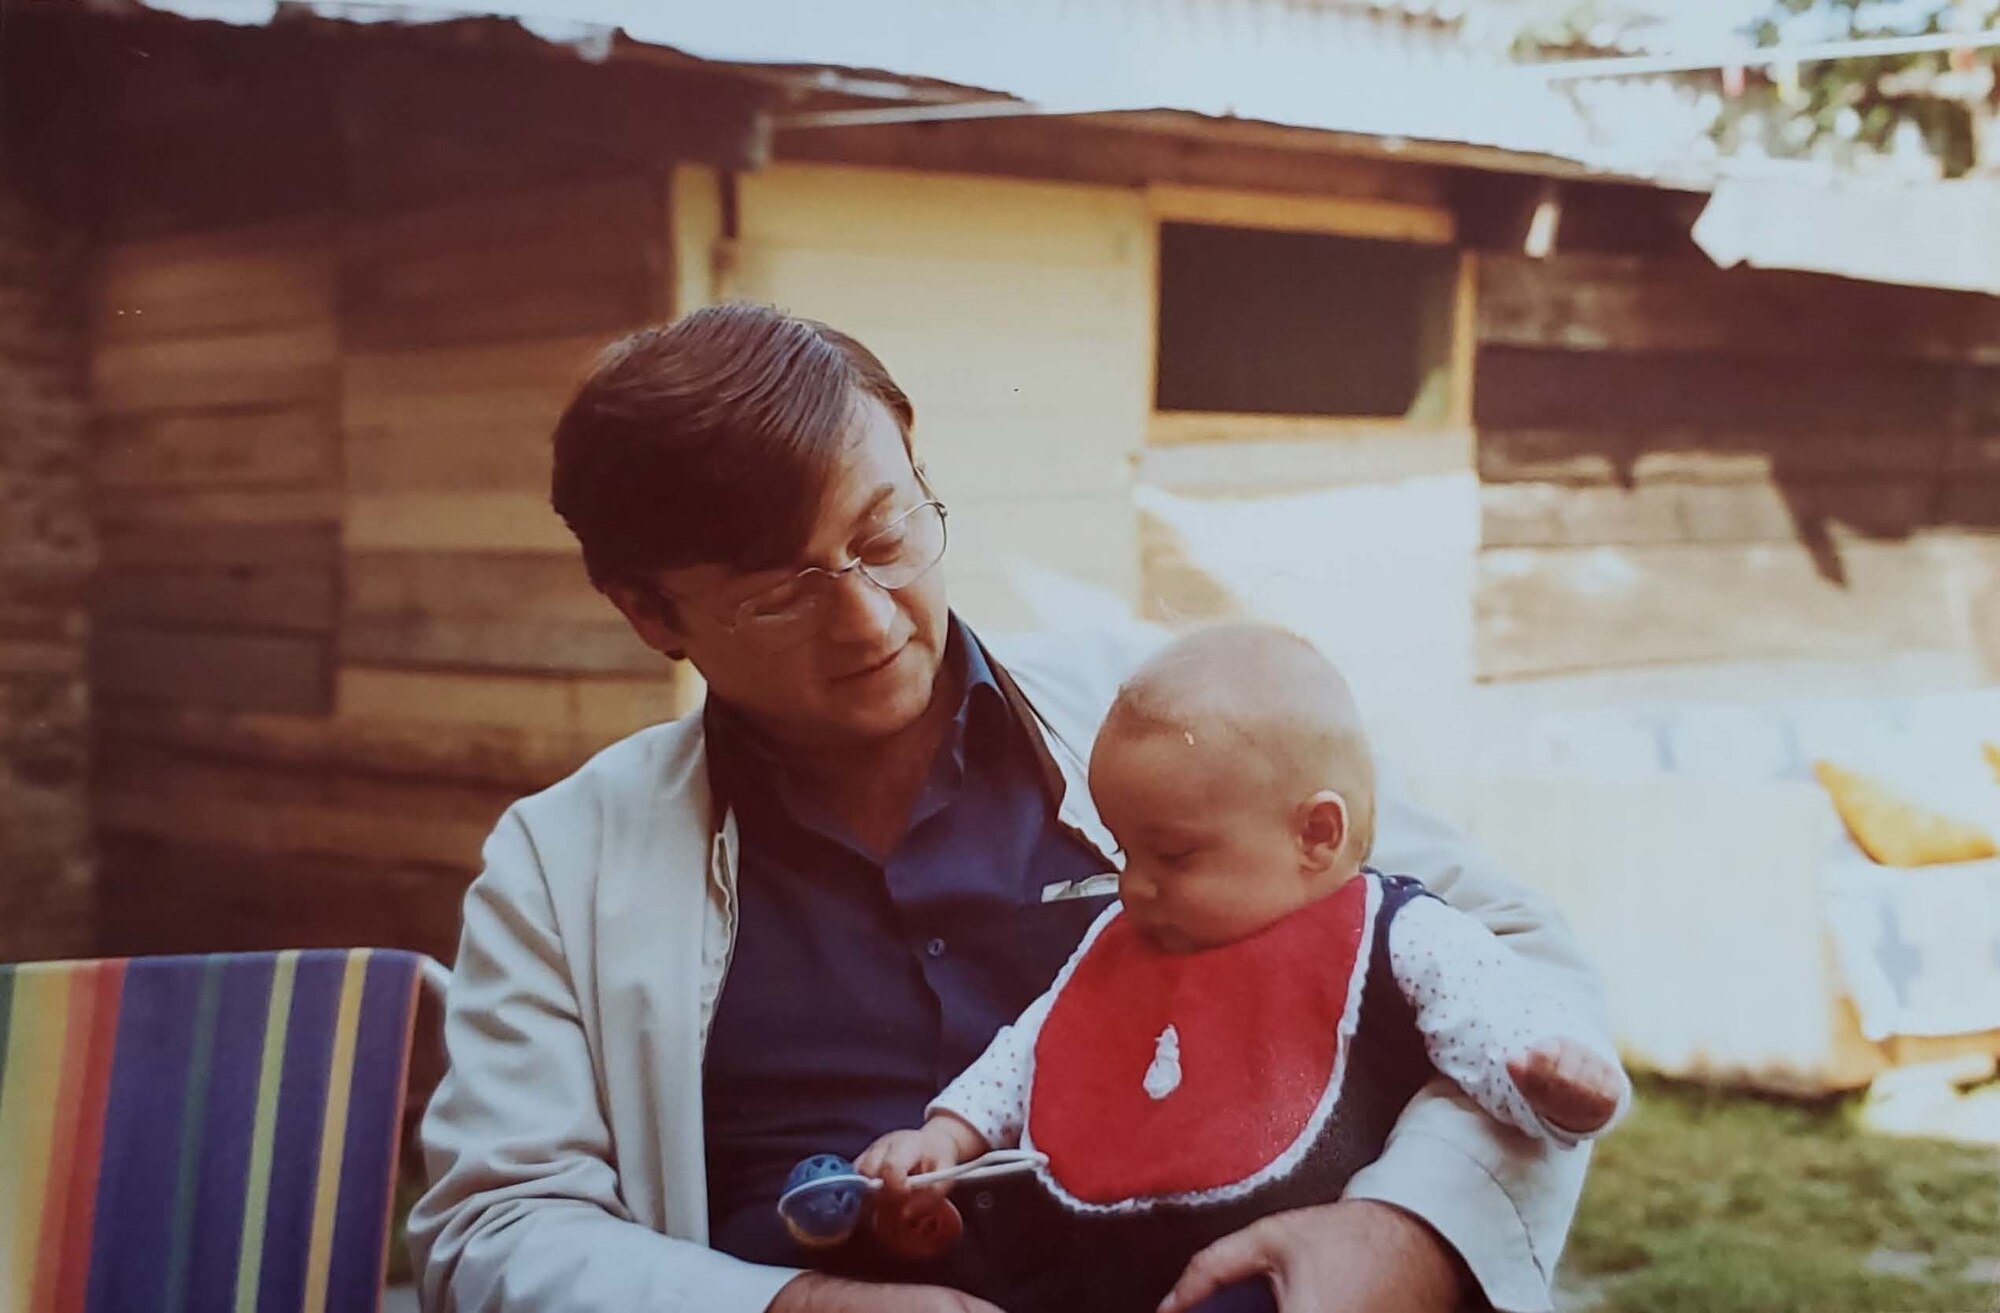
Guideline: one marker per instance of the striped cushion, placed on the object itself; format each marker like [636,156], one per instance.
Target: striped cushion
[211,1134]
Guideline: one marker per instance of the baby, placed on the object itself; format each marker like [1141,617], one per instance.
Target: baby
[1239,1033]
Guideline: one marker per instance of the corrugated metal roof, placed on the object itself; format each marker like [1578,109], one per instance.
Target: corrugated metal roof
[1923,234]
[1393,69]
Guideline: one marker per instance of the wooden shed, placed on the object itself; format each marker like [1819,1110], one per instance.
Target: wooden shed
[339,279]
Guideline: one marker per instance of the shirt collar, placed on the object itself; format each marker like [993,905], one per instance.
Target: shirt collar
[982,687]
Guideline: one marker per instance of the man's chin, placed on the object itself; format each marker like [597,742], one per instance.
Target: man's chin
[883,703]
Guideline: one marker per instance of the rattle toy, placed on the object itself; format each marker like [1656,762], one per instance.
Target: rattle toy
[824,1196]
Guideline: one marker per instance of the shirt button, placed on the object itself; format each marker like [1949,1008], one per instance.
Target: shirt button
[935,948]
[983,1201]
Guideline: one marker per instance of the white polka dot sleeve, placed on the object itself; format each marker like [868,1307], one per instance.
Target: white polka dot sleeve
[991,1095]
[1479,1005]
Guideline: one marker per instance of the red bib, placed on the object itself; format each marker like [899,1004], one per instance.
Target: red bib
[1261,1027]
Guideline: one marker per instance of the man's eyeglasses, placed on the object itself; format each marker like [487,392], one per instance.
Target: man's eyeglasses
[788,613]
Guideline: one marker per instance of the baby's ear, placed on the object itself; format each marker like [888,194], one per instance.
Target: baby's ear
[1322,829]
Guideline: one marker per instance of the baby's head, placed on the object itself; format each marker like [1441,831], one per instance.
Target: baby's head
[1234,772]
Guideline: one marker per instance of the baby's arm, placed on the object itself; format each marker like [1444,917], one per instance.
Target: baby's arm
[985,1108]
[1490,1027]
[991,1096]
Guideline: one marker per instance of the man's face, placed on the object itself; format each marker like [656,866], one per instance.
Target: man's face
[868,667]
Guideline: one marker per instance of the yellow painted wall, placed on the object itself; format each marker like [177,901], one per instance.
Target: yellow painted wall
[1018,316]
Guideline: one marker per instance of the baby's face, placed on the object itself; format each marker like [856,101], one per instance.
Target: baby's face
[1211,854]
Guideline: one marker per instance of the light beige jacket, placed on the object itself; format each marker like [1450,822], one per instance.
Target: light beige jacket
[565,1145]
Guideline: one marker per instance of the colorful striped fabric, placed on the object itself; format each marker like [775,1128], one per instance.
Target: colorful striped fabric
[209,1134]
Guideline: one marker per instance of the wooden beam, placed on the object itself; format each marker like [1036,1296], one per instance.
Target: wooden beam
[1563,515]
[502,521]
[615,112]
[1286,465]
[1497,213]
[208,125]
[492,442]
[297,599]
[449,247]
[1072,151]
[538,703]
[272,367]
[1706,455]
[1598,302]
[1464,364]
[285,445]
[1608,392]
[579,259]
[1281,458]
[377,384]
[484,611]
[595,707]
[1233,133]
[266,546]
[1971,503]
[605,307]
[1979,397]
[1168,428]
[258,672]
[549,590]
[122,509]
[1343,216]
[517,757]
[1542,612]
[169,896]
[139,789]
[235,279]
[437,643]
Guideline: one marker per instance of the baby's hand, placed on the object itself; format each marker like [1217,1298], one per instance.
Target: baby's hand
[899,1155]
[1568,1085]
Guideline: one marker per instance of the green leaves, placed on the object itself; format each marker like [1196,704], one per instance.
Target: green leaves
[1849,110]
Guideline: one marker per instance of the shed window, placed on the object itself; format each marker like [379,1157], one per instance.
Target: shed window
[1287,323]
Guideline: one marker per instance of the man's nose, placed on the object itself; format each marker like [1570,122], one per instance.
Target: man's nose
[859,609]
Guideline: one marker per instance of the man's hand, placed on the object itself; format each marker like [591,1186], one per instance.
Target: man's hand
[813,1293]
[1356,1256]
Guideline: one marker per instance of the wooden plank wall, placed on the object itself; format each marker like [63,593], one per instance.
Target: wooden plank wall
[340,629]
[1017,316]
[1681,464]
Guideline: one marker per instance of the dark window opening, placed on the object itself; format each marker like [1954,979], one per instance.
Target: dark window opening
[1282,323]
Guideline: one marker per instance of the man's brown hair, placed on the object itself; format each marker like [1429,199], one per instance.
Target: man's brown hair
[711,440]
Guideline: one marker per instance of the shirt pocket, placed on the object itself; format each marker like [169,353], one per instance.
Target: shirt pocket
[1101,885]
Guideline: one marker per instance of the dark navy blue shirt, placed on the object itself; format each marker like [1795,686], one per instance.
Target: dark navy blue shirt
[859,986]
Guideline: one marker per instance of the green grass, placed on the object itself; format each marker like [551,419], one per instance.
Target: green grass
[1711,1202]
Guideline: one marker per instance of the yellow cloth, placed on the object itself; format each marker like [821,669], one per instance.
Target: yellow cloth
[1897,832]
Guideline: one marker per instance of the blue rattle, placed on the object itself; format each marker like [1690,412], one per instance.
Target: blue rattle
[824,1196]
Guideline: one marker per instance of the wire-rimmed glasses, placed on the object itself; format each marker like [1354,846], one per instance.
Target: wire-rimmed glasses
[791,611]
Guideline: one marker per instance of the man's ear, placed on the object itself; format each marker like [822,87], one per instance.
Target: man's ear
[1322,829]
[651,618]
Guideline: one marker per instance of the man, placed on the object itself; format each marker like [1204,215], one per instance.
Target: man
[778,927]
